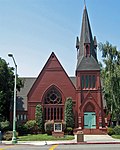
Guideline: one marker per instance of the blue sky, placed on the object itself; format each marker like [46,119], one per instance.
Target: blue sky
[32,29]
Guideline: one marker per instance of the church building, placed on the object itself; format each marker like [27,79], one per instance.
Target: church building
[53,86]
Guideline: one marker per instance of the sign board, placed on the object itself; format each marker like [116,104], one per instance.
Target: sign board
[57,127]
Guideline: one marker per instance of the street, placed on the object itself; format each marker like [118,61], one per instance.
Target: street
[62,147]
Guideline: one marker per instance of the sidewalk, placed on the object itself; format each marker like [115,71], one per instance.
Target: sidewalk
[88,139]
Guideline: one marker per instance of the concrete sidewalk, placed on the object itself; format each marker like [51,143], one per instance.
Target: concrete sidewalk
[88,139]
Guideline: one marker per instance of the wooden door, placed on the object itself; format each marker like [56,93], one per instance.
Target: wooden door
[89,120]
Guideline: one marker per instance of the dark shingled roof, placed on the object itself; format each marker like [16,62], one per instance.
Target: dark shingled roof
[88,63]
[73,79]
[22,95]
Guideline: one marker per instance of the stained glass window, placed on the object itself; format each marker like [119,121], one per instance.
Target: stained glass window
[93,81]
[87,81]
[53,96]
[82,81]
[90,85]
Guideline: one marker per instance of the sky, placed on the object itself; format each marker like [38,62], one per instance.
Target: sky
[32,29]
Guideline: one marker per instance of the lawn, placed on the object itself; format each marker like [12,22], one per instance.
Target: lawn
[116,136]
[43,137]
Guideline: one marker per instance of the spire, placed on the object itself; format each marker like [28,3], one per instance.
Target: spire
[86,34]
[87,46]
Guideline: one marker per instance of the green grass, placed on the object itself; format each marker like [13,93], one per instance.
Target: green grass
[44,137]
[116,136]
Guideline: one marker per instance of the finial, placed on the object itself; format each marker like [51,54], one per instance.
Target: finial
[84,3]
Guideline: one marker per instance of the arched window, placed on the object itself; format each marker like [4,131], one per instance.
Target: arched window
[53,96]
[87,50]
[53,107]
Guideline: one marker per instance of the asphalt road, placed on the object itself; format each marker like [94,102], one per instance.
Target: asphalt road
[90,147]
[62,147]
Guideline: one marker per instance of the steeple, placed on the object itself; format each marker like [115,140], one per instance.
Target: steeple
[86,46]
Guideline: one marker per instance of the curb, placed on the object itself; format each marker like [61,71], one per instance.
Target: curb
[77,143]
[86,143]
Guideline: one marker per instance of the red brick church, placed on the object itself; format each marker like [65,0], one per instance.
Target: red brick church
[53,86]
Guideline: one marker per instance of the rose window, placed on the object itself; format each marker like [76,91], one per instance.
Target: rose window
[53,97]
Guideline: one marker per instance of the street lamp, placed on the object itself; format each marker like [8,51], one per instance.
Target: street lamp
[14,139]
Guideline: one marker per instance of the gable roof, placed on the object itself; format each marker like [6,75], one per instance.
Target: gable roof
[52,64]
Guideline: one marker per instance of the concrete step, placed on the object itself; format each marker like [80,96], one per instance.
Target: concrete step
[102,131]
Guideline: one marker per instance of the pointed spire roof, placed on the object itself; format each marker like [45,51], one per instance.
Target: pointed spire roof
[86,38]
[86,34]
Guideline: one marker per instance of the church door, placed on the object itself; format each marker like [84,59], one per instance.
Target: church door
[89,120]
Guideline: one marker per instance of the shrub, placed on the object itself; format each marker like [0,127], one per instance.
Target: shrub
[110,131]
[31,126]
[22,129]
[49,127]
[4,126]
[63,126]
[39,117]
[8,135]
[69,116]
[69,131]
[117,130]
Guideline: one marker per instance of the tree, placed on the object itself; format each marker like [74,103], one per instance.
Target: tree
[111,78]
[6,88]
[39,117]
[4,126]
[69,116]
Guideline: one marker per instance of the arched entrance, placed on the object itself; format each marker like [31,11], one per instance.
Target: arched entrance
[89,117]
[53,107]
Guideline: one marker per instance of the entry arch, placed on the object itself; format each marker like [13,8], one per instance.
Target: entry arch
[89,116]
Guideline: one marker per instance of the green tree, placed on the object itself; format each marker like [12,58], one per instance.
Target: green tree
[39,117]
[4,126]
[69,116]
[6,88]
[111,78]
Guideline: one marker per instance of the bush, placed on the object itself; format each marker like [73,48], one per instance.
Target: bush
[49,127]
[39,117]
[22,130]
[117,130]
[63,126]
[110,131]
[8,135]
[31,126]
[4,126]
[69,131]
[69,115]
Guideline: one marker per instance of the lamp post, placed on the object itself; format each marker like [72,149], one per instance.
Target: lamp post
[14,139]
